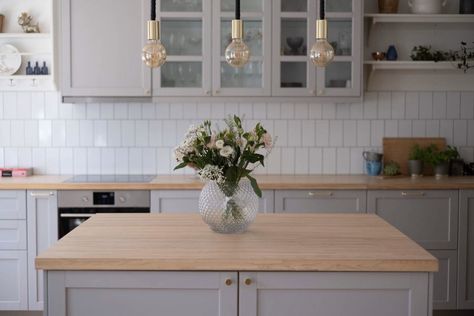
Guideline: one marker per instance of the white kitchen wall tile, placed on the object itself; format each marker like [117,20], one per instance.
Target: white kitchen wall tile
[426,105]
[384,110]
[25,157]
[141,133]
[470,133]
[51,105]
[357,162]
[23,105]
[9,105]
[460,133]
[273,162]
[439,105]
[377,130]
[65,111]
[398,105]
[231,109]
[315,111]
[357,111]
[281,131]
[336,133]
[39,160]
[149,161]
[294,133]
[18,133]
[432,128]
[322,133]
[44,133]
[405,128]
[155,133]
[121,161]
[11,157]
[190,111]
[93,161]
[350,133]
[66,161]
[329,111]
[86,133]
[107,161]
[245,110]
[259,111]
[453,100]
[52,161]
[343,111]
[1,105]
[134,111]
[273,111]
[363,133]
[114,133]
[308,133]
[72,133]
[121,111]
[80,160]
[128,133]
[315,160]
[170,138]
[37,105]
[287,110]
[391,128]
[31,133]
[100,133]
[467,153]
[343,161]
[412,105]
[162,110]
[79,111]
[446,130]
[163,161]
[301,161]
[107,111]
[329,160]
[148,111]
[58,133]
[467,105]
[204,111]
[217,111]
[287,160]
[301,111]
[370,105]
[419,128]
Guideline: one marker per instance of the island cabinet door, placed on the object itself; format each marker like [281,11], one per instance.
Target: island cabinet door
[124,293]
[334,294]
[13,287]
[466,251]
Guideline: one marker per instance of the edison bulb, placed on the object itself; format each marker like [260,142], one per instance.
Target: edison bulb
[237,54]
[154,54]
[322,53]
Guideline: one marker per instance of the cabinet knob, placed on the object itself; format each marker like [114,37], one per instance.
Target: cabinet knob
[247,281]
[320,92]
[228,282]
[313,92]
[147,92]
[208,92]
[217,92]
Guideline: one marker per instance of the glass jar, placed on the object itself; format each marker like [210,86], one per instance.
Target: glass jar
[228,208]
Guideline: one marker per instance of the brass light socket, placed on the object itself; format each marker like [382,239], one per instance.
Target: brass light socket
[153,30]
[237,29]
[322,29]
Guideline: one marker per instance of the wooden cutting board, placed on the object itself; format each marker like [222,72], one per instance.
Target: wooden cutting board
[398,150]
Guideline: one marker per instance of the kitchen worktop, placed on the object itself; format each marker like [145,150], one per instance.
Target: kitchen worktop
[283,242]
[268,182]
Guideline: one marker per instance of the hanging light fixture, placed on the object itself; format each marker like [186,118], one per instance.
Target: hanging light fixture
[322,53]
[237,54]
[153,53]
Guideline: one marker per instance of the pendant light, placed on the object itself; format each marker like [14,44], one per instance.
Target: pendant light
[153,53]
[237,54]
[322,53]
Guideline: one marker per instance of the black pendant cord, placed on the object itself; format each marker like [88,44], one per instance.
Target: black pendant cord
[237,9]
[322,9]
[153,10]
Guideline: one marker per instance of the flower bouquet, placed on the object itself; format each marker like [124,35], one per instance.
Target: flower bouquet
[225,160]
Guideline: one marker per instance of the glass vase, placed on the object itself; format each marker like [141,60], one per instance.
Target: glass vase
[228,208]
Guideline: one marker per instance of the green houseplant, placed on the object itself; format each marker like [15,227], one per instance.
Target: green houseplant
[440,159]
[416,160]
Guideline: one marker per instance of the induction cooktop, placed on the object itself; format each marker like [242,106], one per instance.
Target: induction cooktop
[135,178]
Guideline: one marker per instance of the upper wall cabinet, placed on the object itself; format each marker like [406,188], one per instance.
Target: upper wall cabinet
[101,47]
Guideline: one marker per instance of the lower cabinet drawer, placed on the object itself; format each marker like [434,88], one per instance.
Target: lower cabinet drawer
[12,234]
[13,281]
[12,204]
[445,280]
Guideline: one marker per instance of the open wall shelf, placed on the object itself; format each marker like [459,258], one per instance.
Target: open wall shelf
[419,18]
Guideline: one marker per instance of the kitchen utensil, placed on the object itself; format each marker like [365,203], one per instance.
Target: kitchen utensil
[427,6]
[372,156]
[388,6]
[10,60]
[378,56]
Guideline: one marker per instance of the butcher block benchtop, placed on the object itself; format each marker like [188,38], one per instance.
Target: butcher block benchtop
[266,182]
[275,242]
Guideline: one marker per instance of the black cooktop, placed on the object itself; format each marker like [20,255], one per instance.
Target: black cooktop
[133,178]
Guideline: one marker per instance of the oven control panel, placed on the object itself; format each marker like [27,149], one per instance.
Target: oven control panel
[104,198]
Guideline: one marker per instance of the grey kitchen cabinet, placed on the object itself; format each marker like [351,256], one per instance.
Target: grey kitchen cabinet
[320,201]
[466,251]
[187,201]
[42,233]
[12,234]
[100,48]
[12,204]
[13,280]
[429,217]
[445,280]
[333,294]
[151,293]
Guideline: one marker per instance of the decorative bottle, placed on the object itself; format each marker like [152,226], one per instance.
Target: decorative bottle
[29,69]
[37,69]
[44,69]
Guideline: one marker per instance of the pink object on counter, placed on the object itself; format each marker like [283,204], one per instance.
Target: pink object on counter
[16,172]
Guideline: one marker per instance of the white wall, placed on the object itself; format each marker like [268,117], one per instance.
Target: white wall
[37,130]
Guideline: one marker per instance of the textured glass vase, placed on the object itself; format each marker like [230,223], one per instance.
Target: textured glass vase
[228,209]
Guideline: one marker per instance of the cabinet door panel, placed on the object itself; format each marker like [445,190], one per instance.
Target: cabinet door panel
[466,251]
[101,48]
[12,204]
[13,234]
[13,284]
[444,281]
[320,201]
[428,217]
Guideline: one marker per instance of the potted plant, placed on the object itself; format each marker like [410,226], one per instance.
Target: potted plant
[416,160]
[440,159]
[225,160]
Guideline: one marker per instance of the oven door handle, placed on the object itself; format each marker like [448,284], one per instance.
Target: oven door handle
[78,215]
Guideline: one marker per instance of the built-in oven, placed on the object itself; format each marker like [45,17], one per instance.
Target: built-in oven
[75,207]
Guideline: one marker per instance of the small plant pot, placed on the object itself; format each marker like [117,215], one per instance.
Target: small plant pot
[441,170]
[415,168]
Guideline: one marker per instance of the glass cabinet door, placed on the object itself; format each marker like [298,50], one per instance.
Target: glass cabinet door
[185,28]
[254,78]
[293,29]
[343,76]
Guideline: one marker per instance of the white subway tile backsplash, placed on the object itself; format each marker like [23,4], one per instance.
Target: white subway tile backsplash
[446,130]
[370,105]
[419,128]
[322,133]
[25,157]
[107,160]
[308,133]
[467,105]
[329,111]
[44,133]
[121,111]
[100,133]
[350,133]
[107,111]
[343,111]
[141,133]
[281,131]
[148,111]
[301,161]
[363,133]
[37,105]
[315,111]
[273,164]
[288,160]
[357,111]
[66,161]
[398,105]
[273,111]
[343,164]
[294,133]
[51,105]
[121,161]
[287,110]
[426,105]
[460,133]
[405,128]
[9,105]
[52,161]
[329,161]
[31,133]
[18,133]
[384,110]
[377,129]
[439,105]
[114,133]
[259,111]
[453,105]
[301,111]
[79,111]
[11,157]
[357,161]
[128,133]
[391,128]
[336,133]
[80,160]
[66,112]
[412,105]
[58,133]
[23,105]
[135,111]
[93,161]
[86,133]
[315,160]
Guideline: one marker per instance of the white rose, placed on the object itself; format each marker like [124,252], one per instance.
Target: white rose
[219,144]
[226,152]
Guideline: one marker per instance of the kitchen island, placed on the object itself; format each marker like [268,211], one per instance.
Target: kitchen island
[157,264]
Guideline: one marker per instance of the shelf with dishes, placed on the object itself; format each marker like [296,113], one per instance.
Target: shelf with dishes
[410,65]
[419,18]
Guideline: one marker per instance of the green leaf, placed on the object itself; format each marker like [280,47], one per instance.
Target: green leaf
[181,166]
[254,184]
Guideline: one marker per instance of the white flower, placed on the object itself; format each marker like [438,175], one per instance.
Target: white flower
[267,140]
[219,144]
[211,173]
[226,152]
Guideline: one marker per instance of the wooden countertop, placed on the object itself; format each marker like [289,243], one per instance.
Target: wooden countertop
[289,182]
[276,242]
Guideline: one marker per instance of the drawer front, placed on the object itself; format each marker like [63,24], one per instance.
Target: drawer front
[444,281]
[320,201]
[428,217]
[13,281]
[12,204]
[13,234]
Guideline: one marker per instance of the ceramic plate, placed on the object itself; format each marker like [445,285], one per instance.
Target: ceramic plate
[10,60]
